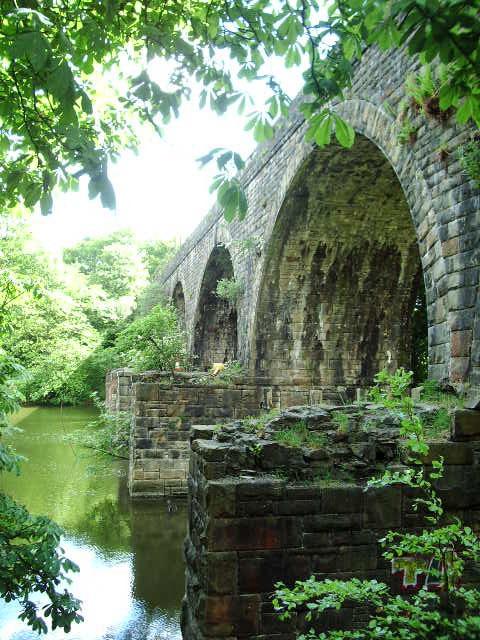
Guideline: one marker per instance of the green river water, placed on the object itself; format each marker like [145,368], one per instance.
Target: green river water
[131,578]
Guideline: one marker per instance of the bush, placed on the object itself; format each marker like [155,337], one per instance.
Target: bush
[108,435]
[154,341]
[229,289]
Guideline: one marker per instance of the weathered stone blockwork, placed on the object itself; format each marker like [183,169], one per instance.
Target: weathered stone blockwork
[444,208]
[119,389]
[247,532]
[163,414]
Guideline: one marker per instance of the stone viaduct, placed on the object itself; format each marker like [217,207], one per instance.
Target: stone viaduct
[338,249]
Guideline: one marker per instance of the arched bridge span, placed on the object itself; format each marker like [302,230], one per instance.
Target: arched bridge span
[342,251]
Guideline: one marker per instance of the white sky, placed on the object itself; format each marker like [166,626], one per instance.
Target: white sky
[161,193]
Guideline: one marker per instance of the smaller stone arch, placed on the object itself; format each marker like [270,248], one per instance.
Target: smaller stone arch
[215,330]
[178,301]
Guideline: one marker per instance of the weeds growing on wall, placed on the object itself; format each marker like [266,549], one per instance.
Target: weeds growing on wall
[229,289]
[256,424]
[453,611]
[424,88]
[298,435]
[469,156]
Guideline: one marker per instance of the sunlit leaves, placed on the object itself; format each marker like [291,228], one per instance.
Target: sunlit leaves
[54,116]
[232,199]
[344,132]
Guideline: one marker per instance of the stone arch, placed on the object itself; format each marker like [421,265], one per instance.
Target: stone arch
[215,331]
[342,246]
[178,301]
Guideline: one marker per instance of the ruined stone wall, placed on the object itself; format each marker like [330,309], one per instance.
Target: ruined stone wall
[119,389]
[163,414]
[248,530]
[444,207]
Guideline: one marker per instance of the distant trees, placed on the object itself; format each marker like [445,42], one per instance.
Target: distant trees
[64,326]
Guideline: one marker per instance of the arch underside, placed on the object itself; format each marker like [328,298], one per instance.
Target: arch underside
[215,332]
[342,275]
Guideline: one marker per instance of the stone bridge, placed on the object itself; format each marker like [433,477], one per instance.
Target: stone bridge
[340,249]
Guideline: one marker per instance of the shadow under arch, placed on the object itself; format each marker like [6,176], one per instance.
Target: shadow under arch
[343,279]
[178,301]
[215,330]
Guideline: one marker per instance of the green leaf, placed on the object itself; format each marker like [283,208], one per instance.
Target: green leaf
[324,131]
[59,80]
[107,193]
[344,133]
[242,205]
[46,204]
[349,47]
[34,46]
[465,110]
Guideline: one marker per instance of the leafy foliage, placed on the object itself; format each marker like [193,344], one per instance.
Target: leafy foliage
[65,318]
[31,560]
[109,434]
[112,262]
[469,155]
[59,124]
[229,289]
[154,341]
[452,613]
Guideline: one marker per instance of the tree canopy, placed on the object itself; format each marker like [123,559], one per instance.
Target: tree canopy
[63,116]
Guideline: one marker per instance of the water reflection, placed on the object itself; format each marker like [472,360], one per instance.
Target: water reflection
[132,576]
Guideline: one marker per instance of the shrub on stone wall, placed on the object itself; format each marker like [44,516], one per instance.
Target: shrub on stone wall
[229,289]
[452,611]
[154,341]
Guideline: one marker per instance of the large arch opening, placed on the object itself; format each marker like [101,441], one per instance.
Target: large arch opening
[178,301]
[215,336]
[342,293]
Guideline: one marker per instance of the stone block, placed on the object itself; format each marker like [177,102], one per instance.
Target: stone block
[297,507]
[211,450]
[260,488]
[297,567]
[145,486]
[331,521]
[224,616]
[324,561]
[460,343]
[342,500]
[146,391]
[221,571]
[274,456]
[472,401]
[358,558]
[221,499]
[465,424]
[202,432]
[453,453]
[259,574]
[253,533]
[383,508]
[459,368]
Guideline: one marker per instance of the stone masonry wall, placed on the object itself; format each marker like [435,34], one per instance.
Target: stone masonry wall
[444,206]
[164,412]
[119,389]
[249,529]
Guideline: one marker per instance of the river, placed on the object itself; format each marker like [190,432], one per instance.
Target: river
[131,578]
